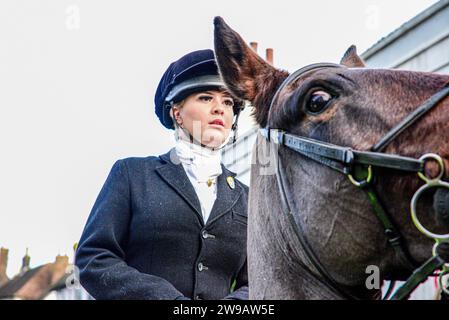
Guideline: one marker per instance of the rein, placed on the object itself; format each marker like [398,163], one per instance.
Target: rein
[359,167]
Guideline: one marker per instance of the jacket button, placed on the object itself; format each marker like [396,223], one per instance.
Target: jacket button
[207,235]
[202,267]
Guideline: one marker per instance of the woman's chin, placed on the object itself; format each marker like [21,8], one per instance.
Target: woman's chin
[214,140]
[212,144]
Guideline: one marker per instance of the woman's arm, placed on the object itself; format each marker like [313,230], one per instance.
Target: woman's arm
[100,256]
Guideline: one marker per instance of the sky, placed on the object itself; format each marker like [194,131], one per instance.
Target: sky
[78,78]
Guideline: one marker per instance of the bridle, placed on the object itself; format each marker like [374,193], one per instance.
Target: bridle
[359,167]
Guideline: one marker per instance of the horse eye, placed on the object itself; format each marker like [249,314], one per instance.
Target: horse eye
[318,101]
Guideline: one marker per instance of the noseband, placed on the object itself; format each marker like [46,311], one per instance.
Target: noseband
[358,166]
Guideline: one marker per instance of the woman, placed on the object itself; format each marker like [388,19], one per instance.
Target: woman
[173,226]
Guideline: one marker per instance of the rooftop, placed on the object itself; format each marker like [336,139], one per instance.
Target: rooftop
[405,28]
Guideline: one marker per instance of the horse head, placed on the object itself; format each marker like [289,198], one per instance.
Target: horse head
[346,105]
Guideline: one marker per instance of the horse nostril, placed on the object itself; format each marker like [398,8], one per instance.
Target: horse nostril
[441,206]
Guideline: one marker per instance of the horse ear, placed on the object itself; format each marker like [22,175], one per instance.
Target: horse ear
[242,70]
[351,59]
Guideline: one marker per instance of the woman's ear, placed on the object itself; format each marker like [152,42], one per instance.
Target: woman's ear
[176,116]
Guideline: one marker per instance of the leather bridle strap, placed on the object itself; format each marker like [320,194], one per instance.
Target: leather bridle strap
[426,270]
[341,159]
[344,161]
[395,239]
[297,227]
[411,119]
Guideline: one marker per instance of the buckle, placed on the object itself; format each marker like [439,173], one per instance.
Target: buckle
[274,135]
[393,238]
[265,132]
[277,136]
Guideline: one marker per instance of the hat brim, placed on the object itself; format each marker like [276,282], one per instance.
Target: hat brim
[192,85]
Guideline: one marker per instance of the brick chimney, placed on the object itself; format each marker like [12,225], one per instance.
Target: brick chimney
[59,267]
[253,45]
[3,265]
[269,56]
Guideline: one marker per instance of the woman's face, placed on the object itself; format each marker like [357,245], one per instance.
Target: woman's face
[207,116]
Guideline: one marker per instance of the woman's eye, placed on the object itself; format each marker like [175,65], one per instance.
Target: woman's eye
[229,102]
[205,98]
[318,101]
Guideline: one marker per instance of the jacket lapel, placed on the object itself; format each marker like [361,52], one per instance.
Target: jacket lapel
[173,173]
[227,197]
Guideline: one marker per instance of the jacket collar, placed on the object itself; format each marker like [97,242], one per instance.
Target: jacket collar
[173,173]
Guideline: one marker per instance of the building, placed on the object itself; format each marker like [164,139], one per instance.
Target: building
[421,44]
[3,264]
[51,281]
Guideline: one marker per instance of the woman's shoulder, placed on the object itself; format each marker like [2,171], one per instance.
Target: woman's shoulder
[136,163]
[140,160]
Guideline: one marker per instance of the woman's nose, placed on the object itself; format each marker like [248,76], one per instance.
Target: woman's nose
[218,108]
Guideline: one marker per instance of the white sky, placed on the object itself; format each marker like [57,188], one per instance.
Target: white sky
[77,80]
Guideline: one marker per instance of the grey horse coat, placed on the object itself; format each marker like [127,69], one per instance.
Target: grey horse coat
[145,237]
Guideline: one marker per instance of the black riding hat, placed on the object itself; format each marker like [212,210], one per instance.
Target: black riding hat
[194,72]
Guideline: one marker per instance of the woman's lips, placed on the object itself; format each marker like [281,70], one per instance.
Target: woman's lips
[217,122]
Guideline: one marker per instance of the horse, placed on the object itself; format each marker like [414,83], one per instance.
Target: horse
[312,232]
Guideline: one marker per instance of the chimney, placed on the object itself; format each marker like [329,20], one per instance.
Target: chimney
[269,56]
[253,46]
[61,259]
[59,267]
[25,263]
[3,265]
